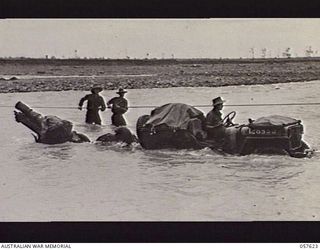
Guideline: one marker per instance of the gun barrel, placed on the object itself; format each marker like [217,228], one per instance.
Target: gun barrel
[27,111]
[22,107]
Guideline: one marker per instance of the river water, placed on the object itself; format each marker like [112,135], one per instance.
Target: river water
[91,182]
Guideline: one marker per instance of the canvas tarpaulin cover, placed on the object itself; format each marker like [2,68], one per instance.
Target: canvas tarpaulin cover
[174,115]
[274,120]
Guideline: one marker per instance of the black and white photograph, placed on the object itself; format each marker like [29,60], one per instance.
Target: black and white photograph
[208,119]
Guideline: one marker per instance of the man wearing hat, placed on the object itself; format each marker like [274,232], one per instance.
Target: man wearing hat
[214,124]
[95,102]
[118,105]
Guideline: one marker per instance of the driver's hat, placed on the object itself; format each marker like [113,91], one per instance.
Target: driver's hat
[217,101]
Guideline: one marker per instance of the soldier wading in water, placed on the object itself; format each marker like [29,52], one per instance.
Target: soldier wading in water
[118,105]
[95,102]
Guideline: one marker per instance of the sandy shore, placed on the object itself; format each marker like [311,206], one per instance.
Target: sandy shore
[59,75]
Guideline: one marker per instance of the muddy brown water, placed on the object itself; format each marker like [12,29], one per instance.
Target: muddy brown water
[91,182]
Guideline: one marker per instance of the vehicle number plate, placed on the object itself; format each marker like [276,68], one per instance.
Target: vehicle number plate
[270,132]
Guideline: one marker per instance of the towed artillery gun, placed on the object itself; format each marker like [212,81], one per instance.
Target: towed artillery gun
[54,130]
[49,129]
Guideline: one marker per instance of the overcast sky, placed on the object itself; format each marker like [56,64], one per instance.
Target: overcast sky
[184,38]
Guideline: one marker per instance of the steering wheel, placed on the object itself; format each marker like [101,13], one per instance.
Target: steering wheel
[227,120]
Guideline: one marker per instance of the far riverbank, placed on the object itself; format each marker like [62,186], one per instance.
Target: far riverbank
[33,75]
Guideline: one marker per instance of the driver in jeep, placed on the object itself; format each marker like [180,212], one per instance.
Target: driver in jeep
[215,124]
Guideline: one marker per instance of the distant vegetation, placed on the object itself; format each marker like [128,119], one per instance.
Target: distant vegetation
[153,61]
